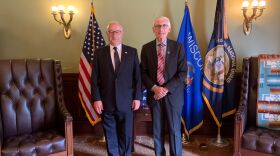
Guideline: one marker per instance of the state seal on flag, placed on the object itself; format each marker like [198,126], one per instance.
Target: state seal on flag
[216,65]
[190,76]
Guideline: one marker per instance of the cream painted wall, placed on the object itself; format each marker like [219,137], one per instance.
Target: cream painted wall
[27,29]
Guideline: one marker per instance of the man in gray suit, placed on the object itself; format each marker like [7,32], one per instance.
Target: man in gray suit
[116,90]
[164,69]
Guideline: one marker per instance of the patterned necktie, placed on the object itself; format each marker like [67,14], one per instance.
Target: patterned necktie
[161,62]
[117,59]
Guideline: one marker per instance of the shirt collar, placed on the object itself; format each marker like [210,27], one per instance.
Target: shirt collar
[118,46]
[164,42]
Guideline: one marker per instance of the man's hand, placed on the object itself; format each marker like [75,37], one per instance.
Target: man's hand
[98,106]
[160,92]
[135,104]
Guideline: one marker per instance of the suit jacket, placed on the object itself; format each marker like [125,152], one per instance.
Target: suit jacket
[174,74]
[116,90]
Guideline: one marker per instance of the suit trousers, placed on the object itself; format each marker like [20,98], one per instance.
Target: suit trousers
[164,113]
[118,132]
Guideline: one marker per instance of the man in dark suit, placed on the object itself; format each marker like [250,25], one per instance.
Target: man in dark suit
[116,90]
[164,69]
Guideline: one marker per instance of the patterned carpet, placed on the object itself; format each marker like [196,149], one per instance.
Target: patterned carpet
[88,145]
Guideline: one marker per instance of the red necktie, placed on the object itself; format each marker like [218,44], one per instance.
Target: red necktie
[161,62]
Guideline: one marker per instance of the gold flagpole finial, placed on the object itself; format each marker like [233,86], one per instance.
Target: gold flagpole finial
[186,2]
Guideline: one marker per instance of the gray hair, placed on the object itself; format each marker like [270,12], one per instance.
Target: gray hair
[114,22]
[164,18]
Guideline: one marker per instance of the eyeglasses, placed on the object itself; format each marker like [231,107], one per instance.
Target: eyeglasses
[164,26]
[114,32]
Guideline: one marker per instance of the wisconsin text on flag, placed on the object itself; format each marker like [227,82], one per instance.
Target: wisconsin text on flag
[93,40]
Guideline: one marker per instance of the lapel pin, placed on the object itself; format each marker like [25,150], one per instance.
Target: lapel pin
[168,52]
[125,52]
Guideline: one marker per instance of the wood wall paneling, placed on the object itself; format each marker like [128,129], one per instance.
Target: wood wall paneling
[73,104]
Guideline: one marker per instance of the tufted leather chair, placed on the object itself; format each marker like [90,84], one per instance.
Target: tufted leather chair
[33,118]
[250,140]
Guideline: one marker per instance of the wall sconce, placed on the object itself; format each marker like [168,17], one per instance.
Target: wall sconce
[61,11]
[257,8]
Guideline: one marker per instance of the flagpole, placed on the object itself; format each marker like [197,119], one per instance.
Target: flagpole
[219,142]
[185,138]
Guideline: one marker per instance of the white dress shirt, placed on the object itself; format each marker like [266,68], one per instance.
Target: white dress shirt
[112,51]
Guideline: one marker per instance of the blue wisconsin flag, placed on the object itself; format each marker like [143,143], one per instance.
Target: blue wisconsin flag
[192,115]
[219,70]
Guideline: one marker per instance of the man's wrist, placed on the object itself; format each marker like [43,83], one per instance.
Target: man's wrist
[153,88]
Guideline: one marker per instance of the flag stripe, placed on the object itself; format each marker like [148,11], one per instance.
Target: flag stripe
[85,81]
[87,102]
[89,116]
[85,88]
[86,65]
[86,108]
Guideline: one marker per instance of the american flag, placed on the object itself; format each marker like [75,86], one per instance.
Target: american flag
[93,40]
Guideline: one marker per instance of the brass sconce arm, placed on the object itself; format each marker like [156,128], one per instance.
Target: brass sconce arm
[247,24]
[66,24]
[260,13]
[257,11]
[55,18]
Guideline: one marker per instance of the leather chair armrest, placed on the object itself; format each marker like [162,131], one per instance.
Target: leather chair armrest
[61,105]
[68,126]
[237,136]
[64,112]
[239,127]
[241,118]
[69,138]
[241,114]
[1,133]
